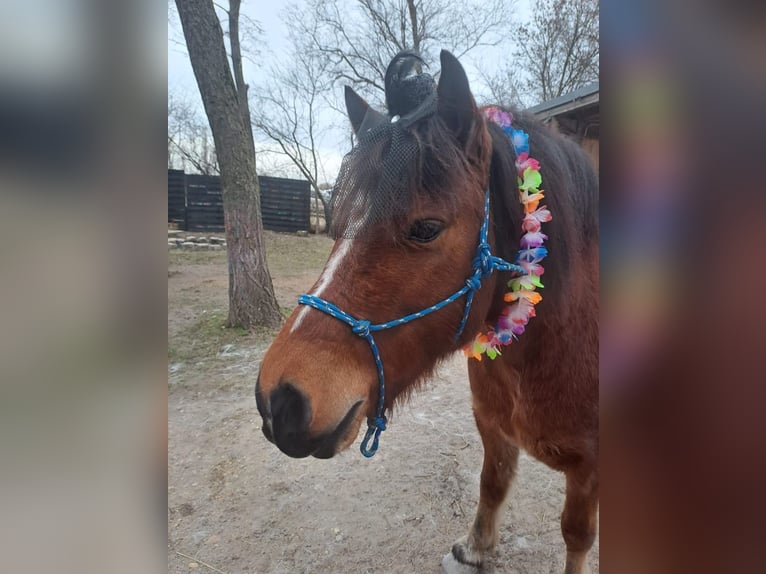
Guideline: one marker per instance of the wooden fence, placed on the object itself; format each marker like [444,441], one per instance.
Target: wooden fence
[177,197]
[204,205]
[195,202]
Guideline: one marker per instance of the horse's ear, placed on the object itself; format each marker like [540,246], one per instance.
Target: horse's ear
[456,104]
[360,113]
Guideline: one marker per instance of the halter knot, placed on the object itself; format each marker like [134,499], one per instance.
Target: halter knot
[378,422]
[483,262]
[473,282]
[361,328]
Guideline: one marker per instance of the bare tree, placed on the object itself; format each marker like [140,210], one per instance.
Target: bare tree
[557,52]
[502,87]
[359,37]
[560,51]
[352,42]
[288,110]
[251,293]
[190,143]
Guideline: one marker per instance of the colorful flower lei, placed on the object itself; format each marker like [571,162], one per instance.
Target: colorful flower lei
[522,295]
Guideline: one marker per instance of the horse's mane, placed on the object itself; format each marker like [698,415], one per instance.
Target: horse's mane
[571,192]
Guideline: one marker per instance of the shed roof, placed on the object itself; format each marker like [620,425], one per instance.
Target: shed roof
[581,97]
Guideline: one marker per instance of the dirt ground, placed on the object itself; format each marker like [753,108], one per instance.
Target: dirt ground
[238,505]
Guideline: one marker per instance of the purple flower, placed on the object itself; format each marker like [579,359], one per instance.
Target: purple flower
[533,239]
[498,116]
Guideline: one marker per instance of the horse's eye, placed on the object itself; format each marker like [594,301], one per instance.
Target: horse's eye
[425,230]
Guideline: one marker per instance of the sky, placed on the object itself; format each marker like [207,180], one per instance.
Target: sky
[181,82]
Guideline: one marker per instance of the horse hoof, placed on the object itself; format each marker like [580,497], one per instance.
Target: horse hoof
[450,565]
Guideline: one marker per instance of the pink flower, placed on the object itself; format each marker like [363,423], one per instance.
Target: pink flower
[512,320]
[532,268]
[533,220]
[515,317]
[523,161]
[541,214]
[530,224]
[521,311]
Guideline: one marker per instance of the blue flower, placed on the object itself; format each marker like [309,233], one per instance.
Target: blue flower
[520,140]
[534,254]
[504,338]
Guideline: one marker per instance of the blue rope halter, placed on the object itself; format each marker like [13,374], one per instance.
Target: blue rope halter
[483,265]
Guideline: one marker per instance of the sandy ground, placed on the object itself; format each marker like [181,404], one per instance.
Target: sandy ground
[238,505]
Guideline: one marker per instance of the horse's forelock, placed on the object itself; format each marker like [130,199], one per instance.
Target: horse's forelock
[391,167]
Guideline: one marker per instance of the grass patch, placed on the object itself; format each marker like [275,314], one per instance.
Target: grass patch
[286,254]
[286,311]
[179,257]
[197,296]
[205,338]
[289,254]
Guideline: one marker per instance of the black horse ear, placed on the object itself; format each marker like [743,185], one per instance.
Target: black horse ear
[456,104]
[360,113]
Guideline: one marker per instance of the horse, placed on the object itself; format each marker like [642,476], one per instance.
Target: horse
[431,179]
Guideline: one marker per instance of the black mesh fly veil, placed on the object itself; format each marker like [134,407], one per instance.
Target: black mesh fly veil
[395,157]
[375,181]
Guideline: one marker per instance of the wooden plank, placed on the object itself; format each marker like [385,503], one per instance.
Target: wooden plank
[285,208]
[285,203]
[177,197]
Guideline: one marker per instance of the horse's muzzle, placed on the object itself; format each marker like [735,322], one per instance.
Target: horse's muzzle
[286,418]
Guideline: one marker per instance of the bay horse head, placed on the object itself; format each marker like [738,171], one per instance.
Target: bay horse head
[409,207]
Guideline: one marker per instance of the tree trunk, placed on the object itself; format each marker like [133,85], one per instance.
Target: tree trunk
[236,62]
[251,293]
[325,208]
[413,10]
[327,216]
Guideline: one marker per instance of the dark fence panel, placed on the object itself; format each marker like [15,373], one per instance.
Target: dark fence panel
[285,203]
[177,197]
[204,205]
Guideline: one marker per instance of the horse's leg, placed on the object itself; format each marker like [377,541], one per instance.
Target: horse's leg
[578,522]
[500,458]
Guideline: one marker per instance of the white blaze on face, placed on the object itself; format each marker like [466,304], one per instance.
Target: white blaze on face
[327,277]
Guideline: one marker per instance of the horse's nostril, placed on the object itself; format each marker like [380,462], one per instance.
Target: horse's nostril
[290,413]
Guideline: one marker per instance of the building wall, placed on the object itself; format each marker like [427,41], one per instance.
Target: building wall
[582,128]
[590,145]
